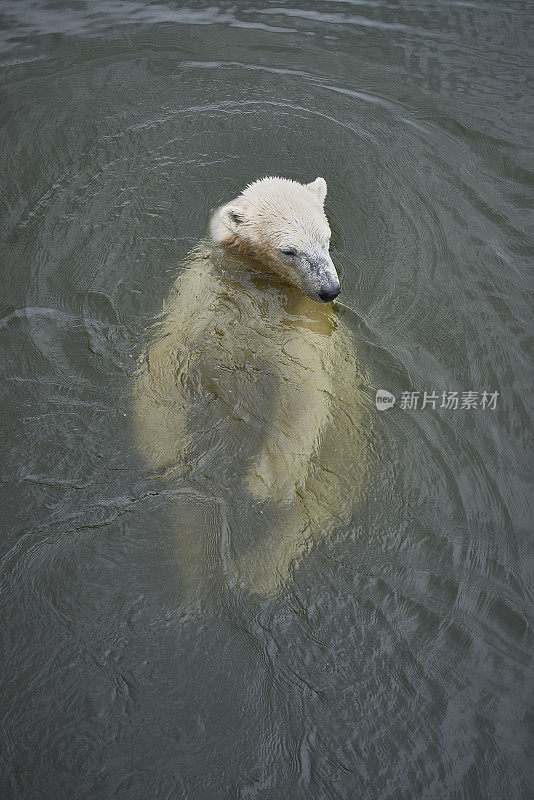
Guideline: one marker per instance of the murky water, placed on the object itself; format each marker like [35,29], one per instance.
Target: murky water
[395,661]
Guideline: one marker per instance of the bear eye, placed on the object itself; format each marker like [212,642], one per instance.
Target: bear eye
[289,251]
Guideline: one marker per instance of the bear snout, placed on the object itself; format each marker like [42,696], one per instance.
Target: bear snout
[325,279]
[329,293]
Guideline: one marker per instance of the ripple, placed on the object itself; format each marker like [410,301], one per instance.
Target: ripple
[404,639]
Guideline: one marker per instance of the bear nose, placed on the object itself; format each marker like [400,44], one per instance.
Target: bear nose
[329,293]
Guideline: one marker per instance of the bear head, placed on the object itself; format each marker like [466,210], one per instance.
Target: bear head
[282,224]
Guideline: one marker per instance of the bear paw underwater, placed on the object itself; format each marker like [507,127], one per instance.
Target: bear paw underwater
[250,386]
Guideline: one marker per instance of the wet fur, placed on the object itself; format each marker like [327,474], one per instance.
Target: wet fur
[223,314]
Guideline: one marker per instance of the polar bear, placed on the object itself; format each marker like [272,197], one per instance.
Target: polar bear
[249,385]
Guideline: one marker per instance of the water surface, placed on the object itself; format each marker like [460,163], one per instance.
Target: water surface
[396,663]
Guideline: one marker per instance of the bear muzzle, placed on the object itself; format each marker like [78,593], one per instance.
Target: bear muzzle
[327,294]
[321,280]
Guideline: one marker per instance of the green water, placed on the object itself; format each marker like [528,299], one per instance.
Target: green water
[396,661]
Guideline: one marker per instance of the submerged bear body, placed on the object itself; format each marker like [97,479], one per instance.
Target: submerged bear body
[252,387]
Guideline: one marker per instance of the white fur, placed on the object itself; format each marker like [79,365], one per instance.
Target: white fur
[263,374]
[274,214]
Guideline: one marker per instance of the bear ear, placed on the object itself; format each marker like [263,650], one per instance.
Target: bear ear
[232,215]
[318,187]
